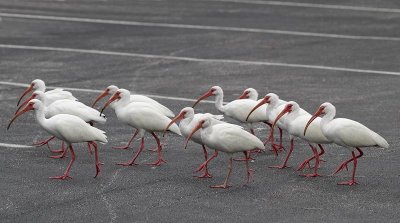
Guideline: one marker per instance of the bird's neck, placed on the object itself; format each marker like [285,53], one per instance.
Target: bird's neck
[327,118]
[40,115]
[121,102]
[219,102]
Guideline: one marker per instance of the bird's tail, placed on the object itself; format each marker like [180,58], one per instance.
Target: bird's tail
[175,129]
[101,135]
[380,141]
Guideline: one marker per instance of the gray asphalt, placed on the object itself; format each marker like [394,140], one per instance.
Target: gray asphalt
[170,193]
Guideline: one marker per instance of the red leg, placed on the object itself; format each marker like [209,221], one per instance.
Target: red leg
[307,161]
[353,181]
[204,165]
[90,148]
[64,152]
[65,175]
[268,139]
[96,155]
[160,159]
[225,184]
[132,161]
[206,174]
[249,171]
[344,164]
[129,143]
[316,155]
[44,142]
[287,157]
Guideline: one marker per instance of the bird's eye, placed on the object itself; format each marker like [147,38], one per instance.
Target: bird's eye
[212,89]
[107,90]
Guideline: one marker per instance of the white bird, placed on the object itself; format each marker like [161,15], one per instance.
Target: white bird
[144,118]
[66,106]
[275,106]
[52,95]
[227,138]
[237,109]
[67,128]
[296,121]
[110,90]
[188,120]
[346,133]
[250,93]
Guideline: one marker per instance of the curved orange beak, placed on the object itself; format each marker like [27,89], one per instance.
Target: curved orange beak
[198,126]
[243,95]
[102,95]
[317,113]
[113,98]
[177,118]
[287,109]
[24,103]
[29,89]
[263,101]
[204,96]
[27,108]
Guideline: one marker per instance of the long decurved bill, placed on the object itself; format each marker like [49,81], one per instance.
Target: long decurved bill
[204,96]
[282,113]
[102,95]
[195,129]
[29,89]
[263,101]
[317,113]
[27,108]
[113,98]
[177,118]
[243,95]
[24,103]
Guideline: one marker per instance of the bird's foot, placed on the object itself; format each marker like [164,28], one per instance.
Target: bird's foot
[278,147]
[206,174]
[279,167]
[159,162]
[344,165]
[310,175]
[58,156]
[256,151]
[120,147]
[57,151]
[62,177]
[222,186]
[41,143]
[349,183]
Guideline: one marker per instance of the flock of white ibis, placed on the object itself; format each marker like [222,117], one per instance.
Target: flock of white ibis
[63,117]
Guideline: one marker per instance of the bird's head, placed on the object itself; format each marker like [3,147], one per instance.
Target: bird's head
[249,93]
[33,104]
[324,108]
[203,123]
[289,107]
[35,95]
[184,113]
[110,90]
[213,91]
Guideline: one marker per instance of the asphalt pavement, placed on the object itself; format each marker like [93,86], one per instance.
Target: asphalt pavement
[340,55]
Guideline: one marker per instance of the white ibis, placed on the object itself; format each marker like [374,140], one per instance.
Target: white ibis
[188,121]
[68,128]
[346,133]
[52,95]
[275,105]
[237,109]
[110,90]
[66,106]
[249,93]
[296,120]
[227,138]
[143,117]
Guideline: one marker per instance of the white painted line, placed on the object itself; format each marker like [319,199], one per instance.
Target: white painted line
[100,91]
[8,145]
[200,27]
[312,5]
[243,62]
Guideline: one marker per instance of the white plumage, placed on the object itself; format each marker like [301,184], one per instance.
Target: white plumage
[110,90]
[346,133]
